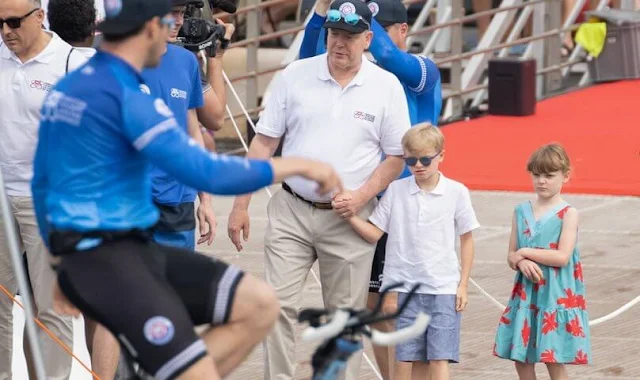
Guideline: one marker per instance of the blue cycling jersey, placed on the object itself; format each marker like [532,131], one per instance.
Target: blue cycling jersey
[419,75]
[98,135]
[176,80]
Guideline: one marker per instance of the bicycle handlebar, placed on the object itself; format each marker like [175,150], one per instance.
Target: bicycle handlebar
[331,329]
[389,339]
[345,321]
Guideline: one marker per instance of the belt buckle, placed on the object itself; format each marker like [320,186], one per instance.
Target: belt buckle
[322,206]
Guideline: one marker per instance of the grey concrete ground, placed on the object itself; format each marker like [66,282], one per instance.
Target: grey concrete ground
[609,237]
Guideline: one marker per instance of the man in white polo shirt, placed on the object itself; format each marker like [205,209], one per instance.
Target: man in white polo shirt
[31,62]
[344,110]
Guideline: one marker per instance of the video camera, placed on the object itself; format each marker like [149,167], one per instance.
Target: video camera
[198,33]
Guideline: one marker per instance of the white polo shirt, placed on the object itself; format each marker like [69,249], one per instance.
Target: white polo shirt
[23,87]
[422,228]
[347,128]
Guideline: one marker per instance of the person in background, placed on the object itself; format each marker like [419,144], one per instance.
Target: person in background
[75,22]
[32,61]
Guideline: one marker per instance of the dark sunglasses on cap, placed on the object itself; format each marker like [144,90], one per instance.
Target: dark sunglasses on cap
[425,161]
[352,18]
[15,22]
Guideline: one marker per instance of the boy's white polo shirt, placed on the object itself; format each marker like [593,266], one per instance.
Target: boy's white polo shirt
[23,87]
[347,128]
[422,230]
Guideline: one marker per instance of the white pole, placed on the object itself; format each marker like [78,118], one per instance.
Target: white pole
[25,292]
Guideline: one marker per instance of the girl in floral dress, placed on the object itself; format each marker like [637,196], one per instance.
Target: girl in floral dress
[546,320]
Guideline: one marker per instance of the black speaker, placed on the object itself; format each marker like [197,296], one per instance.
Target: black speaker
[512,87]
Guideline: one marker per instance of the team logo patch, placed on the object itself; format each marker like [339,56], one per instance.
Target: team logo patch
[347,8]
[112,8]
[40,85]
[374,8]
[364,116]
[145,89]
[162,108]
[159,330]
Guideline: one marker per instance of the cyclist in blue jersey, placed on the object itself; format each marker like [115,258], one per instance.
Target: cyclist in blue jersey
[420,78]
[92,194]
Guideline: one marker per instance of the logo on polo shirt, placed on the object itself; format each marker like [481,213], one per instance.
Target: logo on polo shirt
[364,116]
[40,85]
[175,93]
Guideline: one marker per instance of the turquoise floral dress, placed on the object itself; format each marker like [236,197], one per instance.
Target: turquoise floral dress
[545,322]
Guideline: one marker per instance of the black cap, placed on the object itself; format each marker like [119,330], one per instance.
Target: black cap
[124,16]
[388,12]
[347,7]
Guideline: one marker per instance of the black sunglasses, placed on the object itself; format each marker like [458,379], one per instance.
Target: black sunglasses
[425,161]
[15,22]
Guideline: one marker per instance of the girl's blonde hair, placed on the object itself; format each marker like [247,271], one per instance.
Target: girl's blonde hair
[548,159]
[422,137]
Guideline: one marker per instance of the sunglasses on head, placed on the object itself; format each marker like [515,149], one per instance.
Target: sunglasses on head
[15,22]
[425,161]
[352,18]
[170,21]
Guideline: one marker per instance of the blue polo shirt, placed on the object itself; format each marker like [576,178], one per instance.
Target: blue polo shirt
[98,134]
[176,81]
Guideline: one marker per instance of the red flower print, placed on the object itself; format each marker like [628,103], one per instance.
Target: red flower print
[577,272]
[538,284]
[572,300]
[560,214]
[549,356]
[574,328]
[581,358]
[527,232]
[535,309]
[526,333]
[553,245]
[503,319]
[518,291]
[549,322]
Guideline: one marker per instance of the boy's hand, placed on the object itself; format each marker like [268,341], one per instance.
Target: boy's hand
[461,298]
[530,270]
[347,203]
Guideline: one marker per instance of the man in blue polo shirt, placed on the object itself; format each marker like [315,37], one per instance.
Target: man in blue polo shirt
[420,78]
[177,81]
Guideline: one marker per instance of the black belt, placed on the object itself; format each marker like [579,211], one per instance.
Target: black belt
[65,242]
[318,205]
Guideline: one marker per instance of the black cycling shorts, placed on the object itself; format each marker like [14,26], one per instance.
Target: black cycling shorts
[150,297]
[378,265]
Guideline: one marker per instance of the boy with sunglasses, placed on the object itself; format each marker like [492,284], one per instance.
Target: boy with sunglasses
[423,214]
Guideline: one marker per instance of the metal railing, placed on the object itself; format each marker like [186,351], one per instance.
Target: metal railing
[466,68]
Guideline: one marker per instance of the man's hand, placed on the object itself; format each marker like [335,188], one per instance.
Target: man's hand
[530,270]
[207,220]
[229,29]
[461,298]
[238,221]
[322,7]
[61,304]
[348,203]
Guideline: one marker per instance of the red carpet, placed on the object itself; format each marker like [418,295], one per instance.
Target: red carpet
[598,126]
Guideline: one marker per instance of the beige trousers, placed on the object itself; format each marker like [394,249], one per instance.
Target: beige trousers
[297,235]
[57,362]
